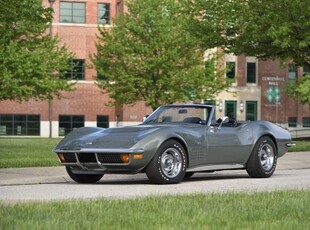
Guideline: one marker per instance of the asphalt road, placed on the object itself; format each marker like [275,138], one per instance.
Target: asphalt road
[52,183]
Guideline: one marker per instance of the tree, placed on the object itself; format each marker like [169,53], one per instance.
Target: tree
[150,54]
[278,29]
[31,61]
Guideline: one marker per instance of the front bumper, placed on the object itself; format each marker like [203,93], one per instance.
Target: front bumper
[102,160]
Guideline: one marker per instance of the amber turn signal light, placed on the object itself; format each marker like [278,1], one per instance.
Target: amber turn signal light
[137,156]
[61,157]
[125,158]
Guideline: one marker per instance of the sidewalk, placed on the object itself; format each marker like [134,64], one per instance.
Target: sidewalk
[48,175]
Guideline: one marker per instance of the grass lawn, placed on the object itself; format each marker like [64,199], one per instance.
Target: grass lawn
[276,210]
[27,152]
[301,146]
[38,152]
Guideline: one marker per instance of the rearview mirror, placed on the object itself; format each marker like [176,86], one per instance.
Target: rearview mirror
[182,111]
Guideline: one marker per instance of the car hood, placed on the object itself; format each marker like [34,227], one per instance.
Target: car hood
[111,138]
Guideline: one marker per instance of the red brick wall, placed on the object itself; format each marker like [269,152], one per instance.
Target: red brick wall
[287,107]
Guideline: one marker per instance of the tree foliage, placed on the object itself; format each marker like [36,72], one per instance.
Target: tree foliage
[266,29]
[31,60]
[150,54]
[277,29]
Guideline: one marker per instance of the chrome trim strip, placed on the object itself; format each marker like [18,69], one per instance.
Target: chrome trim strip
[92,150]
[78,163]
[290,145]
[98,162]
[215,167]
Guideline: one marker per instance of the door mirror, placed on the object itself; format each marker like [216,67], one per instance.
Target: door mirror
[222,120]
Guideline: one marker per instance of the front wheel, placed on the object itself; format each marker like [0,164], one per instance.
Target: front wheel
[263,160]
[83,178]
[168,165]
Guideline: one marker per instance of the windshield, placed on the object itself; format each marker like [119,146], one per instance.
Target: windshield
[180,114]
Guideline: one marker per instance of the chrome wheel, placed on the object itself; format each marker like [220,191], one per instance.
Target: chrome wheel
[263,160]
[168,165]
[171,162]
[266,156]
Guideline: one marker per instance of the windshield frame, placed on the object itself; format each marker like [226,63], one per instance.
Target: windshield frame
[151,119]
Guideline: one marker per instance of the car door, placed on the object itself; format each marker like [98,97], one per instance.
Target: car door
[228,145]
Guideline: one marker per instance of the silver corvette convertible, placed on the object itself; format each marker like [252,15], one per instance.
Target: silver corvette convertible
[174,142]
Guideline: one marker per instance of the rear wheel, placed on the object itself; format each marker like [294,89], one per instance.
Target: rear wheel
[168,165]
[263,160]
[83,178]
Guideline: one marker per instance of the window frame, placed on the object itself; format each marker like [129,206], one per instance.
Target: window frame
[72,12]
[108,11]
[292,122]
[250,78]
[230,73]
[20,125]
[103,121]
[67,123]
[306,122]
[78,64]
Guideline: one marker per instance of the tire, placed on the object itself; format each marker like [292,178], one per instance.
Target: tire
[263,160]
[168,165]
[83,178]
[189,174]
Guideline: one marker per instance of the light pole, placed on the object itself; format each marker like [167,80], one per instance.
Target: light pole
[50,101]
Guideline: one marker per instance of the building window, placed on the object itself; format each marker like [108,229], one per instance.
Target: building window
[103,121]
[292,122]
[230,70]
[103,13]
[69,122]
[306,122]
[72,12]
[231,109]
[251,72]
[19,125]
[251,111]
[292,73]
[78,70]
[306,69]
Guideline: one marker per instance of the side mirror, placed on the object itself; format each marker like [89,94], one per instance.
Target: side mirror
[222,120]
[144,118]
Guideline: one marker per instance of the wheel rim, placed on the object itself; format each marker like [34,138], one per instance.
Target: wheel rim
[171,161]
[266,157]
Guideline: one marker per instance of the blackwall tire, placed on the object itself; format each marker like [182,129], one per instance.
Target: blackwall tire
[189,174]
[168,165]
[263,160]
[83,178]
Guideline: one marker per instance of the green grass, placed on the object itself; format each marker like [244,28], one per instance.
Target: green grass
[38,152]
[27,152]
[301,146]
[274,210]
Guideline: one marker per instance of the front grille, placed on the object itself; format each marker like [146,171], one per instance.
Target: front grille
[109,158]
[104,158]
[87,157]
[69,157]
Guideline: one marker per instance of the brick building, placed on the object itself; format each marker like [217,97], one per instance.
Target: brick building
[258,91]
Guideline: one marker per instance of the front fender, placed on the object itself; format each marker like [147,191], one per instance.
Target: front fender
[152,142]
